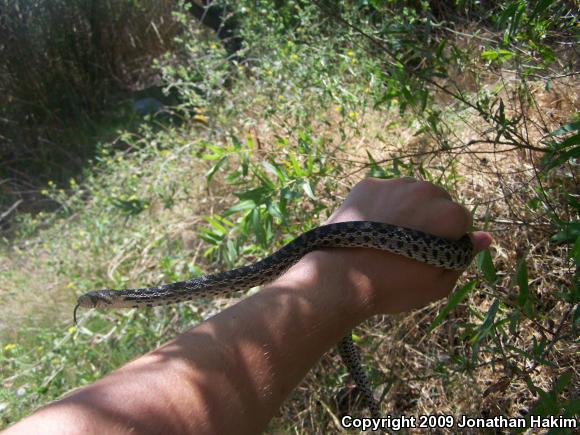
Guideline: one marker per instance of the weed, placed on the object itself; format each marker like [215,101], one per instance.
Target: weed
[322,98]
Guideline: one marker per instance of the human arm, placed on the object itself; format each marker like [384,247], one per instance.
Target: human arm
[232,372]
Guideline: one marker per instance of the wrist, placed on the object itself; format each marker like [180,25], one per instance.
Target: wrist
[361,282]
[329,280]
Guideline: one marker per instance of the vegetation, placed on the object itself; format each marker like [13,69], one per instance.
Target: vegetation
[478,97]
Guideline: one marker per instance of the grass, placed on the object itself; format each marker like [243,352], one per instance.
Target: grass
[295,130]
[68,75]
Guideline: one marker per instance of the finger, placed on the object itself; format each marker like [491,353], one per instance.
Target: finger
[466,214]
[481,241]
[444,193]
[426,190]
[446,282]
[446,219]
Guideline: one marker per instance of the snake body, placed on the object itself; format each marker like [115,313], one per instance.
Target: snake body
[410,243]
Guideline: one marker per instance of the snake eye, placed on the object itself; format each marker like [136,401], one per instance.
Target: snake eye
[96,299]
[87,301]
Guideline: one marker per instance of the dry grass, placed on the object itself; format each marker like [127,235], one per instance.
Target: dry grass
[417,370]
[495,181]
[411,365]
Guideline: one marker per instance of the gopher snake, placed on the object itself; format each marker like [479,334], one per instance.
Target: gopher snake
[411,243]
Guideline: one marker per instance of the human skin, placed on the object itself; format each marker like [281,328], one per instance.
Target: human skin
[231,373]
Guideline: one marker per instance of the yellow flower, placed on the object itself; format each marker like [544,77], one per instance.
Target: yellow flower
[9,347]
[202,119]
[213,46]
[293,56]
[72,329]
[352,115]
[350,53]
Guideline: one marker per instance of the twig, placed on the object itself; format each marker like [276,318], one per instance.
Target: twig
[10,210]
[511,222]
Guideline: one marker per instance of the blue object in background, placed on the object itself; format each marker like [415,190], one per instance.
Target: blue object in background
[148,106]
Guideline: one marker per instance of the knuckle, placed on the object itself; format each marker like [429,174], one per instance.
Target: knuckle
[425,189]
[371,182]
[459,215]
[368,181]
[365,182]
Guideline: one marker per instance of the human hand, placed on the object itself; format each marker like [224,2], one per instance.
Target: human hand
[390,283]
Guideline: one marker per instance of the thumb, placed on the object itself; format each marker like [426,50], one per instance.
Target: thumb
[481,241]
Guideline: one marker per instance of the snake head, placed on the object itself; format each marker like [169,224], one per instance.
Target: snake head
[96,299]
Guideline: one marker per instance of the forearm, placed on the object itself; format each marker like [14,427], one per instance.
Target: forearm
[231,373]
[228,374]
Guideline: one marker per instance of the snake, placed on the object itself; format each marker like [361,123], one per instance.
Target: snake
[411,243]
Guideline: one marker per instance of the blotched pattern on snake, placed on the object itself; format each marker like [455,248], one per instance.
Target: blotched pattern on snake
[414,244]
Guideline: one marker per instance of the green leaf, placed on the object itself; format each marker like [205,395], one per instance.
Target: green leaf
[259,195]
[488,322]
[209,174]
[274,170]
[275,211]
[522,280]
[570,232]
[558,158]
[571,407]
[485,264]
[562,382]
[566,128]
[257,226]
[220,229]
[485,328]
[489,55]
[540,7]
[246,204]
[576,251]
[231,252]
[545,52]
[568,142]
[490,316]
[576,318]
[455,298]
[289,194]
[308,189]
[296,165]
